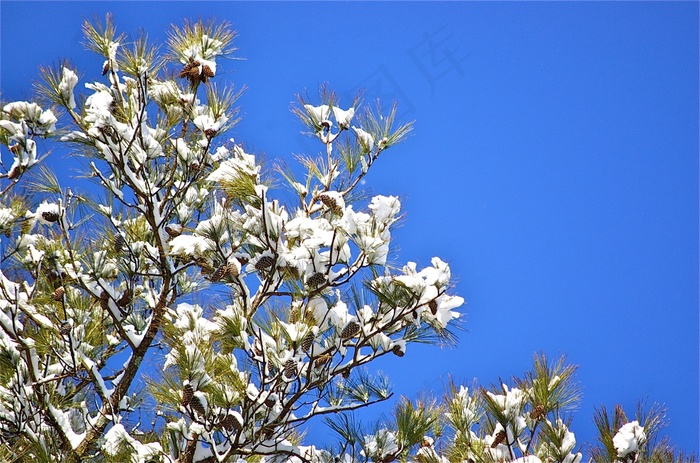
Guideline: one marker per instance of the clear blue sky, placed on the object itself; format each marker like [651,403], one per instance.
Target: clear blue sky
[554,164]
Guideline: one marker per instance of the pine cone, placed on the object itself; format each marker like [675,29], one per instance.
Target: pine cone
[308,341]
[49,216]
[290,368]
[207,73]
[173,229]
[185,70]
[433,305]
[331,203]
[231,421]
[328,201]
[125,299]
[187,394]
[537,412]
[196,405]
[104,300]
[322,360]
[350,330]
[219,273]
[397,351]
[191,71]
[232,269]
[58,293]
[316,280]
[119,243]
[206,70]
[500,437]
[65,328]
[264,262]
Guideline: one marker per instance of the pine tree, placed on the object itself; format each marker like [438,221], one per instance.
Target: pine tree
[527,420]
[105,354]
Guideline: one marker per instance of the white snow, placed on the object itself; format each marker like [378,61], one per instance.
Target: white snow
[64,422]
[318,113]
[365,139]
[385,208]
[117,438]
[380,444]
[191,245]
[342,117]
[629,439]
[69,80]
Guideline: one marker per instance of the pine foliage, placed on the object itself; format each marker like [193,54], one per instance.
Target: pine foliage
[105,352]
[178,308]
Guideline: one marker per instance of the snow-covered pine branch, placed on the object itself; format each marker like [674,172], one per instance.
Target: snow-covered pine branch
[526,420]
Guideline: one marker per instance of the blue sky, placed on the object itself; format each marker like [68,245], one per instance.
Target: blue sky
[554,164]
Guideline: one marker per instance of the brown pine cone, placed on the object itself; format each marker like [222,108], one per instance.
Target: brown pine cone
[58,293]
[397,351]
[307,342]
[331,203]
[219,273]
[197,406]
[433,305]
[207,73]
[264,262]
[203,265]
[125,299]
[187,394]
[230,422]
[316,280]
[173,229]
[537,412]
[119,243]
[65,328]
[500,437]
[104,300]
[49,216]
[322,360]
[290,368]
[350,330]
[232,269]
